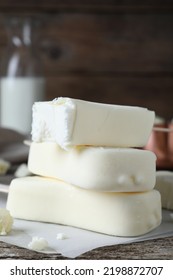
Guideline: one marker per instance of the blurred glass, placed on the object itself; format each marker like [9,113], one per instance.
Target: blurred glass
[22,78]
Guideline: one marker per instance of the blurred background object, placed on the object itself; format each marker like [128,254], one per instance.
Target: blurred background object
[108,51]
[161,143]
[103,50]
[158,143]
[22,81]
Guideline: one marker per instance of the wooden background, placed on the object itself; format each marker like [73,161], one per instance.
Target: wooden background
[107,51]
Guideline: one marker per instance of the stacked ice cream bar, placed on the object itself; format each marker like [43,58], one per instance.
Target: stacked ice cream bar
[89,172]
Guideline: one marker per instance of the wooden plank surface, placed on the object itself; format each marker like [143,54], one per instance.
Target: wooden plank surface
[123,58]
[86,43]
[109,44]
[159,249]
[83,5]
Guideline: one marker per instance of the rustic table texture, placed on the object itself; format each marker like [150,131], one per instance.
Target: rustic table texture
[158,249]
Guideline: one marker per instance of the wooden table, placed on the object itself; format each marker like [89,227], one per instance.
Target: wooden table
[161,249]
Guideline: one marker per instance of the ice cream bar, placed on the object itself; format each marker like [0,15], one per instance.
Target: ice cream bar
[72,122]
[95,168]
[47,200]
[164,184]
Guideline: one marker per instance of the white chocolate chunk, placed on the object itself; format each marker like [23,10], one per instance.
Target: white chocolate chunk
[22,171]
[38,244]
[4,166]
[6,221]
[61,236]
[47,200]
[164,184]
[72,122]
[96,168]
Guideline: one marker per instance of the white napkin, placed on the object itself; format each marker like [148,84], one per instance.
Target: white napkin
[78,241]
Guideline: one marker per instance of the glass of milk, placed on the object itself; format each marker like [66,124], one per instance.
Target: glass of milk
[22,82]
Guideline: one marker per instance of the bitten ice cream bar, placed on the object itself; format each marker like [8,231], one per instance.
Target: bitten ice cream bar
[72,122]
[88,170]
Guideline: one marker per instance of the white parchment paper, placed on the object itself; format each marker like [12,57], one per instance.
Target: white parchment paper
[79,241]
